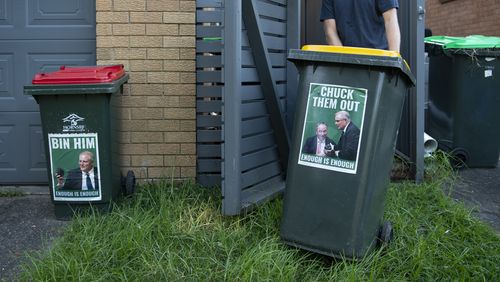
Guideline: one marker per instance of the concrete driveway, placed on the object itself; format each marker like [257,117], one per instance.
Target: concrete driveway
[26,223]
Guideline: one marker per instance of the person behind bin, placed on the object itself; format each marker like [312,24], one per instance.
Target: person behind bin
[316,144]
[82,178]
[362,23]
[347,147]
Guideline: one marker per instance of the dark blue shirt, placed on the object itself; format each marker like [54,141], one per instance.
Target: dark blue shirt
[359,22]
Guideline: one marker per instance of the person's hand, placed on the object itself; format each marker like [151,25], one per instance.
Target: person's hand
[60,179]
[329,148]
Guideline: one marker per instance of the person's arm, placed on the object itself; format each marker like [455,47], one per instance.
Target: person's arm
[332,36]
[307,149]
[392,29]
[350,150]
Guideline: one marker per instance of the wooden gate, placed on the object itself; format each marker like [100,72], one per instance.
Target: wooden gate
[244,97]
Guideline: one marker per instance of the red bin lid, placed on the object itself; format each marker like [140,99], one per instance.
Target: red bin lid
[81,75]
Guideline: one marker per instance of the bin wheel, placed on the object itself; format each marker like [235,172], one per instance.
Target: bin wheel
[386,234]
[459,158]
[128,183]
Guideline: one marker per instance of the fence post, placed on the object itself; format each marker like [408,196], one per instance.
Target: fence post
[231,95]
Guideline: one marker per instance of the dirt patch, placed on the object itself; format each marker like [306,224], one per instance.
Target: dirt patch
[27,223]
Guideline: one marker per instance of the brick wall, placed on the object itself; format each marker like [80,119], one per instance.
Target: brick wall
[155,40]
[463,17]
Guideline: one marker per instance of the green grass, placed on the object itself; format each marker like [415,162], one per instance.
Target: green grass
[9,194]
[166,233]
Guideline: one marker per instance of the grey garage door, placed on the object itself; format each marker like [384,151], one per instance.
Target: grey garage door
[35,36]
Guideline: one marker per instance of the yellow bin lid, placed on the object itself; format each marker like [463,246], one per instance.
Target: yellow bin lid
[350,50]
[352,55]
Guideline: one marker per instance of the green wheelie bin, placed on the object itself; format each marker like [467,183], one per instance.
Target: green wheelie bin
[336,184]
[79,114]
[463,98]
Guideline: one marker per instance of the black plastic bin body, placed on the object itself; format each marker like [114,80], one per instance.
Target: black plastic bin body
[335,206]
[78,108]
[464,97]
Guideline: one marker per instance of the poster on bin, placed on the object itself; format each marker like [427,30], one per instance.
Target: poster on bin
[74,164]
[333,125]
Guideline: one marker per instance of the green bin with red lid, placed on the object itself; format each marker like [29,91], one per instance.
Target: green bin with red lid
[80,126]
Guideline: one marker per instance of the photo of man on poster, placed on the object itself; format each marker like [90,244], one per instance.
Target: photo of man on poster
[316,144]
[83,178]
[347,147]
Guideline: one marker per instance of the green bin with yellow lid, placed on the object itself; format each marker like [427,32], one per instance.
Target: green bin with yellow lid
[347,115]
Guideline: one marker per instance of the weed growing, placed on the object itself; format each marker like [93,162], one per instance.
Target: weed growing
[167,232]
[10,194]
